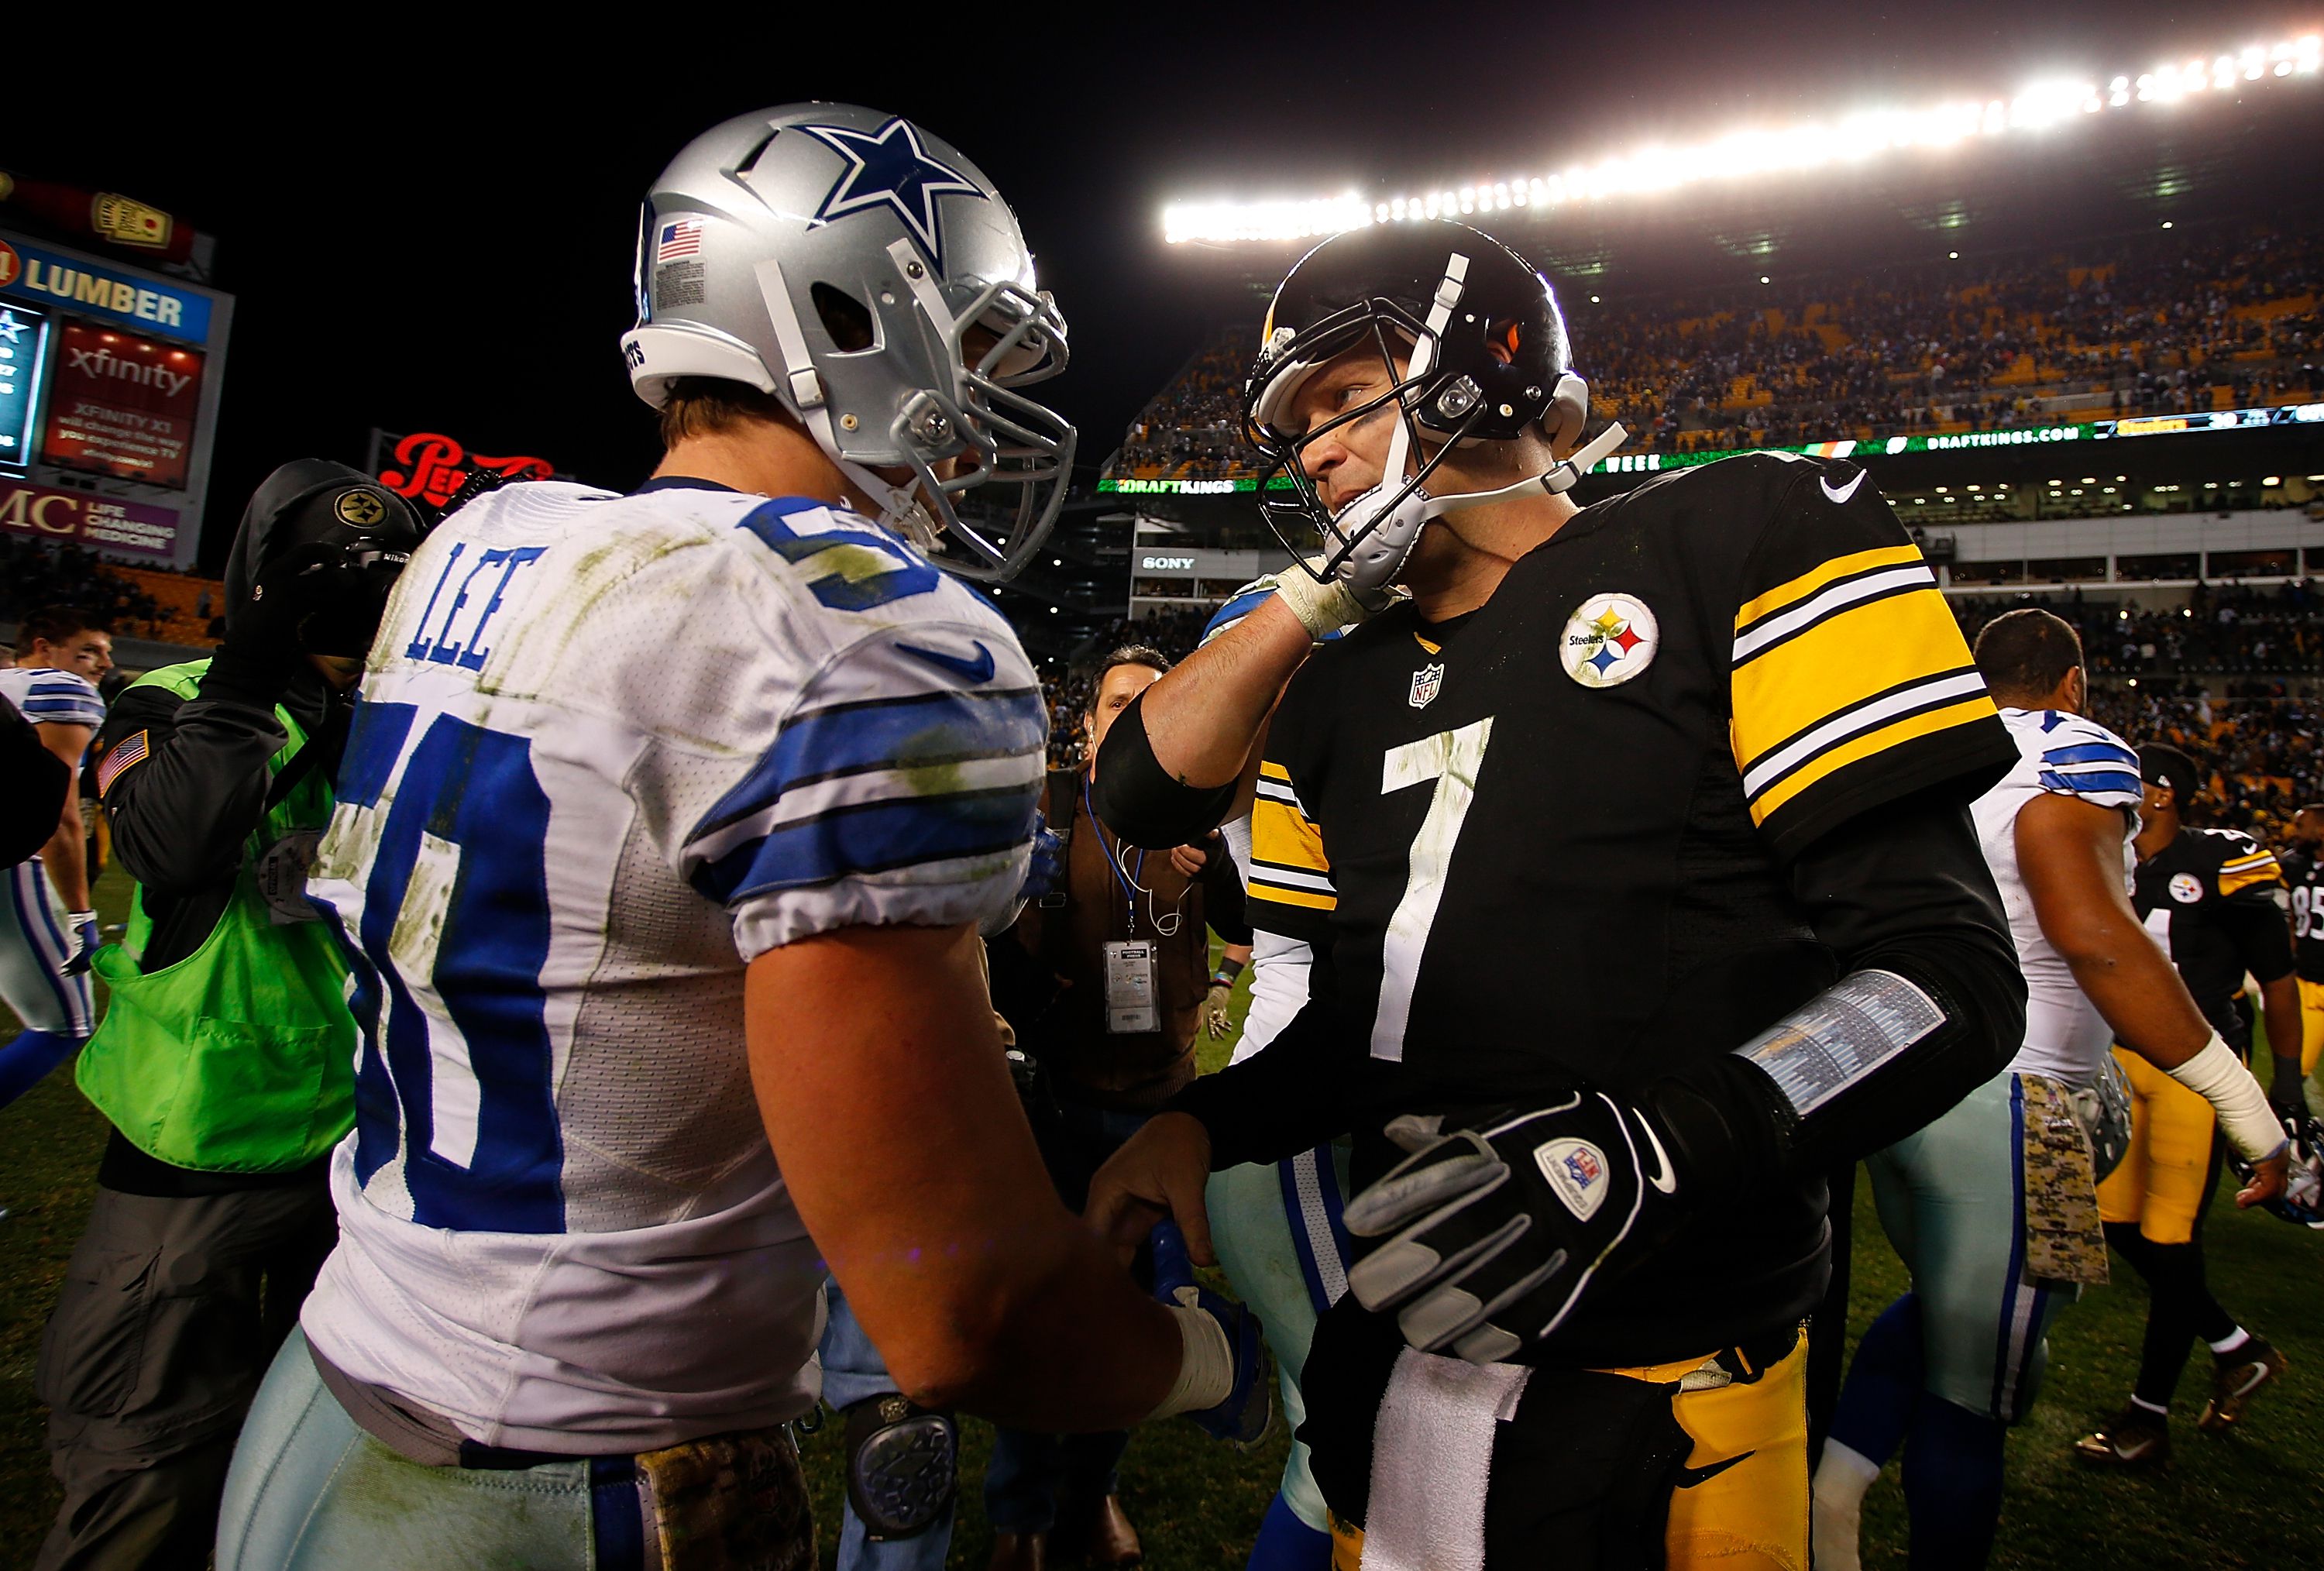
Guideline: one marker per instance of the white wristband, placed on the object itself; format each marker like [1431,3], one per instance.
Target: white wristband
[2218,1076]
[1206,1367]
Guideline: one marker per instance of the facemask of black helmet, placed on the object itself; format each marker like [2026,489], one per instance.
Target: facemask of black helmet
[1475,351]
[317,553]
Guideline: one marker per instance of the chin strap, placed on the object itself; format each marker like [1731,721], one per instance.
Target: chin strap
[1559,478]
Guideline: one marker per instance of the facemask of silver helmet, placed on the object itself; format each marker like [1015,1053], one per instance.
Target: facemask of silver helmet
[872,280]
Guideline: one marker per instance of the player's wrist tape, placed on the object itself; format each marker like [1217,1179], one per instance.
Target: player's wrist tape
[1228,970]
[1205,1366]
[2218,1076]
[1322,608]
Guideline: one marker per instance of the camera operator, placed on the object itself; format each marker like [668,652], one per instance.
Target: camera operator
[225,1059]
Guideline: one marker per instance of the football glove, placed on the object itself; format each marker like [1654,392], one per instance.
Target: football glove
[1498,1230]
[1249,1408]
[86,942]
[1217,1018]
[1046,869]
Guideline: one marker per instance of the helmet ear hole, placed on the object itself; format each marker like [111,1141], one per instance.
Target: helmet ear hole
[1569,411]
[847,319]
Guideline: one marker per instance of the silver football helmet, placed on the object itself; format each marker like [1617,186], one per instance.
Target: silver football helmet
[870,279]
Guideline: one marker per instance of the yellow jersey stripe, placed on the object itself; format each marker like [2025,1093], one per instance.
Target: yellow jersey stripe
[1265,893]
[2267,873]
[1807,583]
[2257,859]
[1859,654]
[1281,834]
[1825,765]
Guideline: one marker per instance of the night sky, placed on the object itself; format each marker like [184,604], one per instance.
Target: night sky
[435,232]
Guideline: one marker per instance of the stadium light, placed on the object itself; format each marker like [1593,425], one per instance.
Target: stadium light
[1810,146]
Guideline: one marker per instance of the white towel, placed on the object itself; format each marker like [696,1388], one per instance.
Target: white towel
[1432,1454]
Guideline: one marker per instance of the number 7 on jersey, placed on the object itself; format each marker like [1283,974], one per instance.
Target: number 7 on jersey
[1450,759]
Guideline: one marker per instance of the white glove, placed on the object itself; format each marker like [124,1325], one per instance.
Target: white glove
[1324,609]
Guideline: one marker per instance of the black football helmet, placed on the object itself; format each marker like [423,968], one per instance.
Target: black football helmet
[334,541]
[1485,358]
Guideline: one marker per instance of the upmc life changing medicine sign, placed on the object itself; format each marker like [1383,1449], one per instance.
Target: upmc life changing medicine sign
[105,524]
[122,405]
[131,299]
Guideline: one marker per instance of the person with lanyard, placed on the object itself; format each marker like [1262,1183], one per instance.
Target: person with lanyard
[1107,984]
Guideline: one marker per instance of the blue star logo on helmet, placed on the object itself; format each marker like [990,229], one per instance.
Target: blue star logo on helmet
[889,168]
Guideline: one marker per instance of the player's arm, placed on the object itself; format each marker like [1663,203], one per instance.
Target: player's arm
[881,1077]
[1180,760]
[184,781]
[65,856]
[2069,855]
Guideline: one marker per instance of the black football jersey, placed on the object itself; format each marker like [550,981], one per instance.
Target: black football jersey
[1545,843]
[2303,871]
[2209,899]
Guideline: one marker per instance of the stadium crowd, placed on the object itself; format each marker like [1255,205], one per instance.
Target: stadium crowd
[2171,322]
[43,573]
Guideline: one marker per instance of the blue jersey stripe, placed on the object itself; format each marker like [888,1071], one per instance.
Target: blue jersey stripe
[2097,783]
[927,730]
[2093,753]
[1234,611]
[872,838]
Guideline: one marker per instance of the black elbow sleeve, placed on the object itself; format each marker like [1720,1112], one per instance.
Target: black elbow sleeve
[1139,801]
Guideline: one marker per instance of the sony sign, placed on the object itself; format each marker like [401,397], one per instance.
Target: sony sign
[1154,564]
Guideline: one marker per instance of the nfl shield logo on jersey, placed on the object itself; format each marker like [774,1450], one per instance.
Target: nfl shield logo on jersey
[1609,639]
[1425,683]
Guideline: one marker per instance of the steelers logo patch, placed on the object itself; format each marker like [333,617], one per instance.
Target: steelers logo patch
[1611,639]
[360,507]
[2186,888]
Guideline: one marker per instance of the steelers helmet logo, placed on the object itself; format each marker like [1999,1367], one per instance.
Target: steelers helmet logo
[1609,639]
[362,508]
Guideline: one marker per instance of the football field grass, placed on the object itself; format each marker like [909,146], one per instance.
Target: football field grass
[2254,1499]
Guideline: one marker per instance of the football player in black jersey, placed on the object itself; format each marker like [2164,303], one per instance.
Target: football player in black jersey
[2303,873]
[1633,843]
[2210,897]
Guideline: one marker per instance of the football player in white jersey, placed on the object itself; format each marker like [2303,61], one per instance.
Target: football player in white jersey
[48,922]
[658,802]
[1993,1206]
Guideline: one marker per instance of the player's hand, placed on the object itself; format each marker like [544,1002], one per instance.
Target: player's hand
[1157,1176]
[2267,1179]
[1189,860]
[1249,1408]
[1501,1222]
[87,942]
[1215,1017]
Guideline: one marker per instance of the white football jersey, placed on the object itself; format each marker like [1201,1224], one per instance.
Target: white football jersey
[47,696]
[2058,752]
[610,749]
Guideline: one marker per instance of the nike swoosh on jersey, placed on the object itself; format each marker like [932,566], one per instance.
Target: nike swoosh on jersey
[1839,494]
[979,669]
[1688,1477]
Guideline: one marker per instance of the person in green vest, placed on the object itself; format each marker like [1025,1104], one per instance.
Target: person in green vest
[225,1057]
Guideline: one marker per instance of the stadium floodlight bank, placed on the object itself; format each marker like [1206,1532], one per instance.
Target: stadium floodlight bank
[1746,152]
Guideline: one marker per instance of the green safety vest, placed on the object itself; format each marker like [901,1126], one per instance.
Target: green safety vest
[239,1059]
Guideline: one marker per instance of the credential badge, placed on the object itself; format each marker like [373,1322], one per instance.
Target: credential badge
[1608,639]
[1426,681]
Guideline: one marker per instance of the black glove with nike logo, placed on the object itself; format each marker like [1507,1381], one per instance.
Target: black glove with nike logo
[1502,1225]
